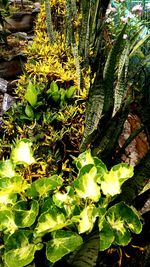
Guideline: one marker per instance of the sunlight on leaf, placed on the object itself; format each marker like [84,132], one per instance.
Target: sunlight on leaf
[85,185]
[7,168]
[22,152]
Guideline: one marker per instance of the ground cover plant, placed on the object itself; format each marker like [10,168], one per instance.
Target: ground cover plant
[46,213]
[70,105]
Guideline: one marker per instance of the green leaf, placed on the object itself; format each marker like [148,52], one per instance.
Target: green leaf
[109,70]
[101,169]
[112,181]
[83,159]
[139,44]
[7,168]
[10,186]
[25,215]
[106,236]
[18,239]
[131,217]
[86,185]
[121,87]
[70,92]
[22,152]
[7,222]
[53,88]
[22,256]
[29,111]
[49,221]
[63,242]
[7,198]
[41,187]
[31,94]
[19,251]
[87,219]
[86,255]
[93,111]
[123,219]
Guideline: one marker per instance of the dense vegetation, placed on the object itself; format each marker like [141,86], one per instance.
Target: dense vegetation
[65,193]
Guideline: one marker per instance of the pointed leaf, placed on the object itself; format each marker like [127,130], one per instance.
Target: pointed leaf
[112,181]
[86,185]
[31,94]
[87,219]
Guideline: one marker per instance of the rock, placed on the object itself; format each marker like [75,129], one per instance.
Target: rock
[21,35]
[3,85]
[7,102]
[12,67]
[21,21]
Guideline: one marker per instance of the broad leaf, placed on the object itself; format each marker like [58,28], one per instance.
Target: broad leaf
[63,242]
[86,185]
[22,152]
[18,239]
[87,219]
[25,213]
[106,236]
[112,181]
[84,158]
[29,111]
[41,187]
[7,168]
[22,256]
[31,94]
[123,219]
[49,221]
[7,222]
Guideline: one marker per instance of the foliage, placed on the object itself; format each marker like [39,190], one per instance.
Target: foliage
[112,91]
[46,214]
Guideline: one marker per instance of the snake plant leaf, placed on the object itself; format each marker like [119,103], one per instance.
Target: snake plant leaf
[93,112]
[43,186]
[120,88]
[113,180]
[122,219]
[139,44]
[31,94]
[87,219]
[25,214]
[49,221]
[7,168]
[109,70]
[62,243]
[106,236]
[87,254]
[22,153]
[86,185]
